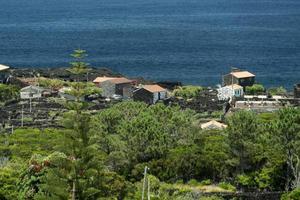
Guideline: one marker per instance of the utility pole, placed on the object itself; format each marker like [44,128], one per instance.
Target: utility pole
[22,116]
[74,191]
[30,107]
[144,183]
[148,189]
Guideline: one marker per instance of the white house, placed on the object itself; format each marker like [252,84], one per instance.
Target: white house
[225,93]
[31,92]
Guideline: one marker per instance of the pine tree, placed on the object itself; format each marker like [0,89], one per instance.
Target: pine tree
[78,66]
[79,170]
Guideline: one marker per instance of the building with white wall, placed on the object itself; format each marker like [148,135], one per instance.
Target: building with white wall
[227,92]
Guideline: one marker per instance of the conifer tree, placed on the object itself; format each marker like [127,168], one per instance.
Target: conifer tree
[76,171]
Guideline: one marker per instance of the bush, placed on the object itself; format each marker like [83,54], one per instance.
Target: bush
[227,186]
[211,198]
[255,89]
[277,91]
[187,92]
[293,195]
[193,182]
[8,92]
[205,182]
[246,181]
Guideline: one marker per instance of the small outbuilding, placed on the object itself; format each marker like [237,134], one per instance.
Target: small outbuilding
[213,124]
[297,91]
[4,73]
[150,94]
[31,92]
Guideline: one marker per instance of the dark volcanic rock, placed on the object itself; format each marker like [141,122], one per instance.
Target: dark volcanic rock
[171,85]
[61,73]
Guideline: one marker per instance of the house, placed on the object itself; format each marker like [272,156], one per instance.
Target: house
[297,91]
[150,94]
[4,73]
[118,86]
[234,90]
[242,78]
[31,92]
[213,124]
[99,80]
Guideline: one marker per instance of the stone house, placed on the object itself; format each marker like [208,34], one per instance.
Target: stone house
[119,86]
[150,94]
[242,78]
[31,92]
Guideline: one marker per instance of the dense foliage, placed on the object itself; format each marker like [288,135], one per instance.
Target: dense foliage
[8,92]
[102,155]
[255,89]
[106,154]
[187,92]
[277,91]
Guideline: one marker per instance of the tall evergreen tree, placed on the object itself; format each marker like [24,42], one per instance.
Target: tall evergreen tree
[75,171]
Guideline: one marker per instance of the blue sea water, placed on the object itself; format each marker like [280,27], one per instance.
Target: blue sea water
[193,41]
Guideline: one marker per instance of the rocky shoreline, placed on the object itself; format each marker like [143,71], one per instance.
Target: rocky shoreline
[61,73]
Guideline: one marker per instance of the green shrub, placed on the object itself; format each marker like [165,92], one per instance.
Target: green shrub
[255,89]
[187,92]
[293,195]
[8,92]
[211,198]
[193,182]
[246,180]
[227,186]
[179,181]
[205,182]
[277,91]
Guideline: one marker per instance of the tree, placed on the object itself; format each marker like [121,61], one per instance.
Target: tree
[286,142]
[132,133]
[8,92]
[78,66]
[277,91]
[215,154]
[75,171]
[243,133]
[255,89]
[53,84]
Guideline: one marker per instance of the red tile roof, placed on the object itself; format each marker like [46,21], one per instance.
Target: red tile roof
[154,88]
[102,79]
[242,74]
[120,80]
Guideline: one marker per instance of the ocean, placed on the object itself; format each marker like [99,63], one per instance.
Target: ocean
[193,41]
